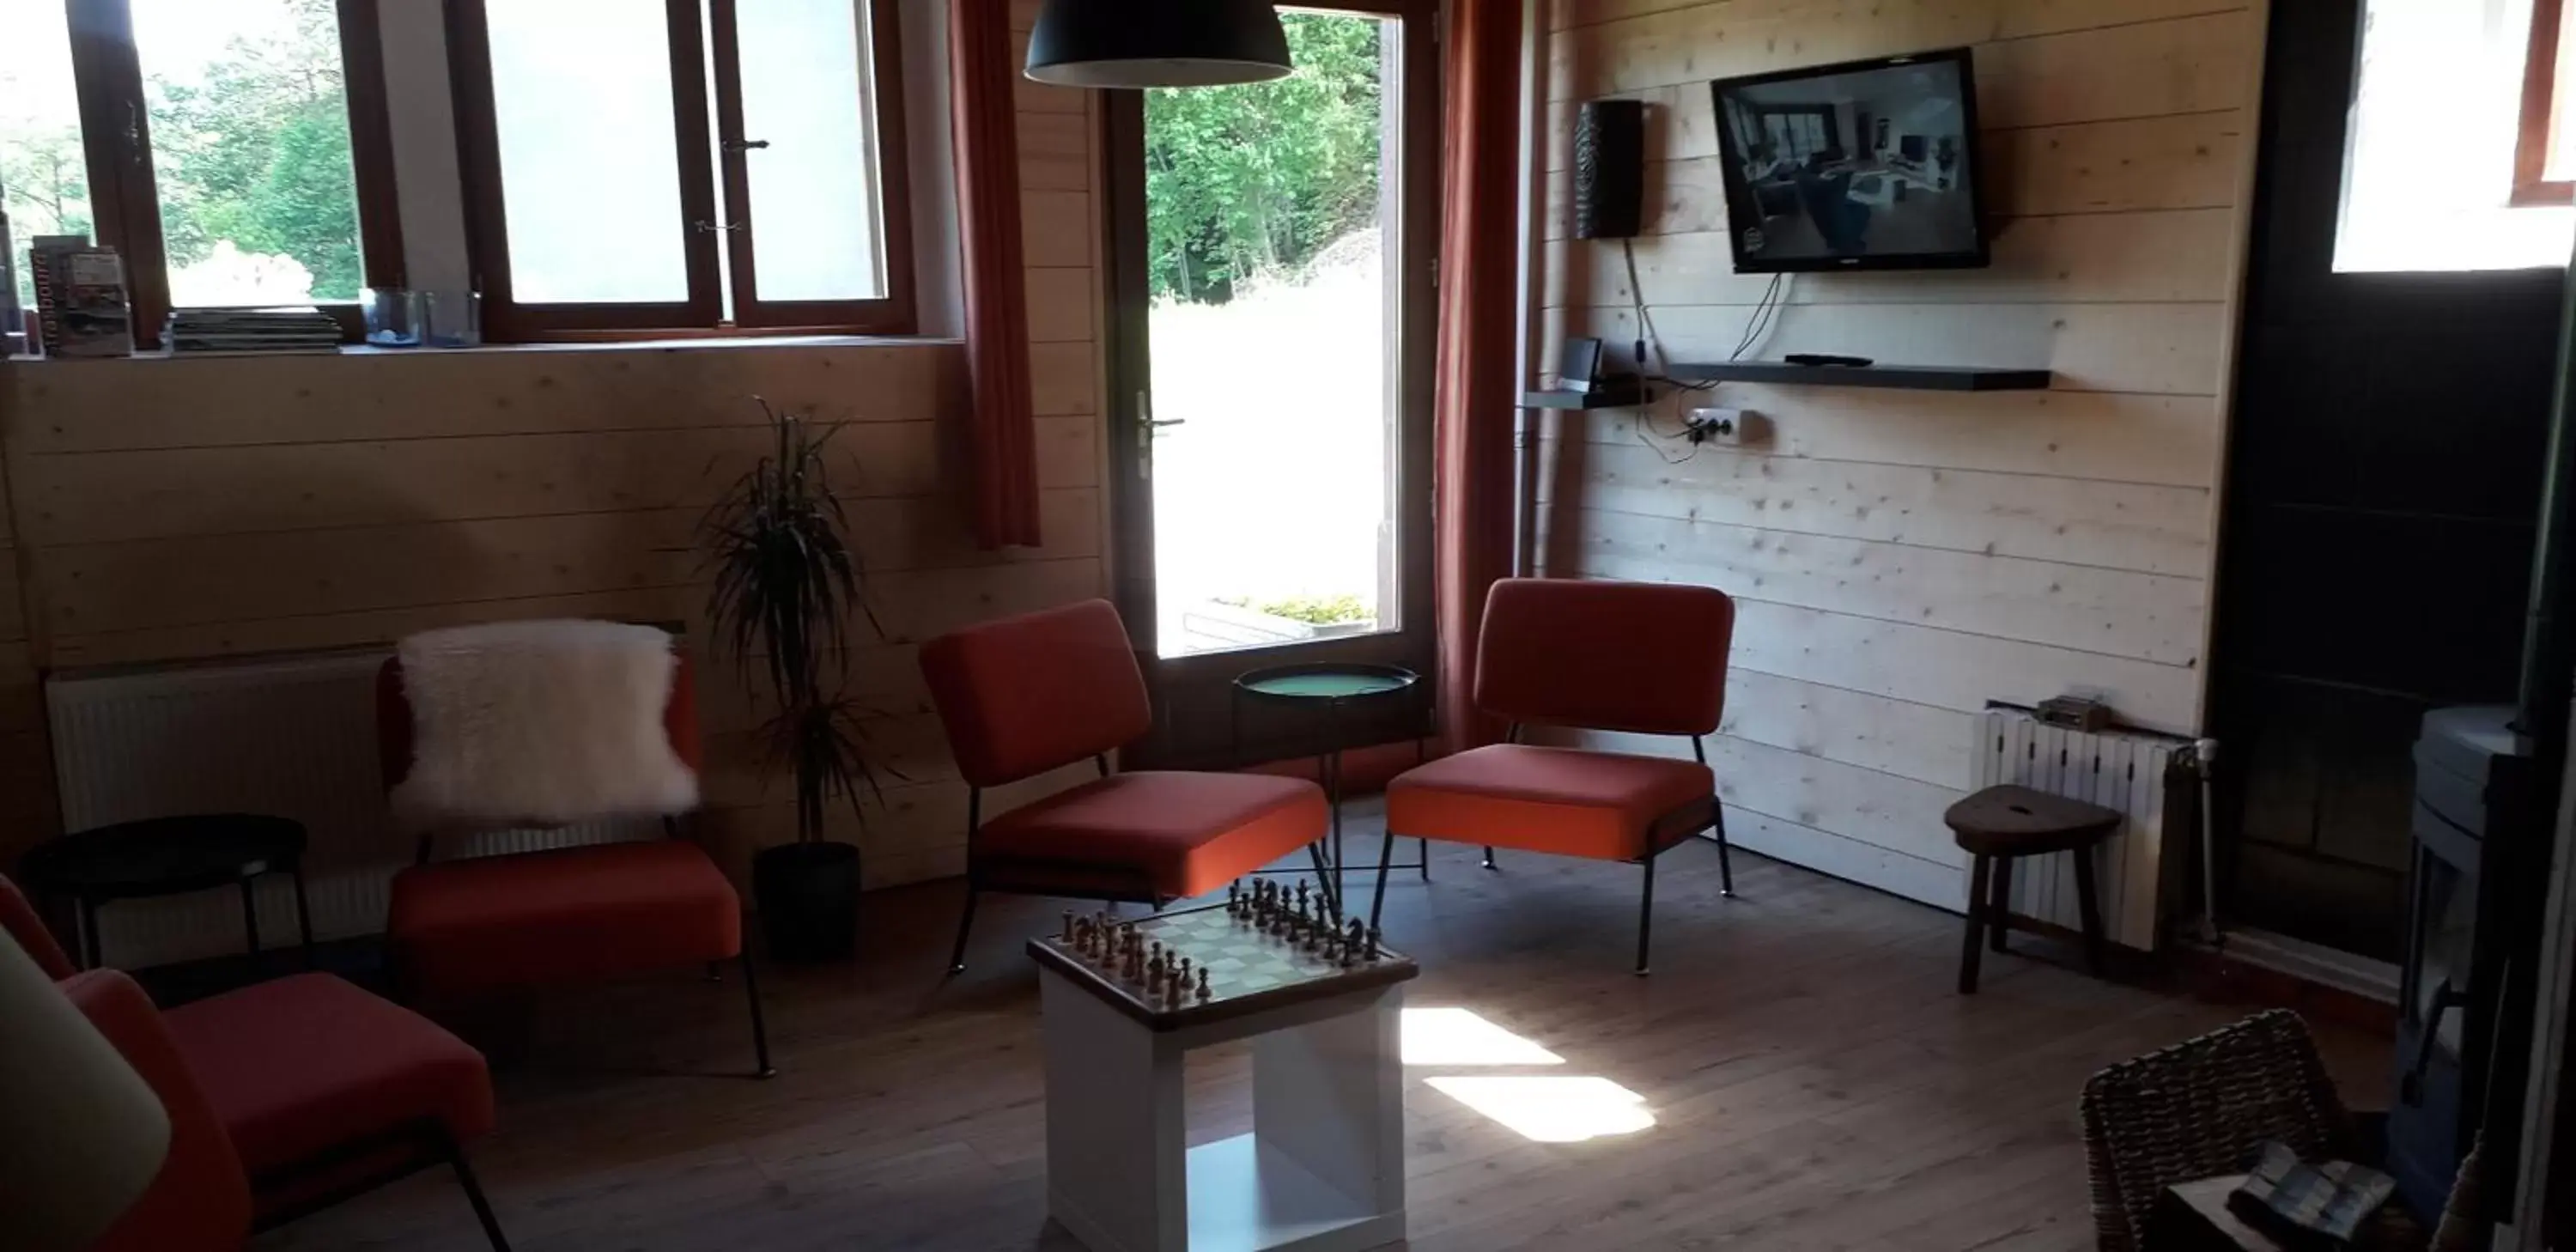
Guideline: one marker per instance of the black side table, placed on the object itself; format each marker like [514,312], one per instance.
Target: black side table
[166,856]
[1334,692]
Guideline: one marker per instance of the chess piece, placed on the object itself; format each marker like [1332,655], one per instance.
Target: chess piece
[1154,969]
[1203,983]
[1067,936]
[1301,897]
[1376,943]
[1157,953]
[1233,898]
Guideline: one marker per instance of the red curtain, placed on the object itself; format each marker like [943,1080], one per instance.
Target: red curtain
[1476,399]
[984,124]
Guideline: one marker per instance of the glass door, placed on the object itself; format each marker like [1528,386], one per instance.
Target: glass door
[1272,247]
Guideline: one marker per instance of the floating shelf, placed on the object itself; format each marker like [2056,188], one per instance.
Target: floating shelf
[1608,393]
[1913,377]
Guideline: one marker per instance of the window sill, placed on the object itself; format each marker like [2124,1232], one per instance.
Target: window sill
[738,343]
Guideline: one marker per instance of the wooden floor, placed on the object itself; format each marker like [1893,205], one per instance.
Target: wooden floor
[1814,1083]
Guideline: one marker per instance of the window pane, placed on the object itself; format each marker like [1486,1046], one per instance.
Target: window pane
[590,168]
[250,150]
[44,179]
[813,189]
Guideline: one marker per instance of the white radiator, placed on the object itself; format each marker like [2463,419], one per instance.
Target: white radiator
[2123,771]
[292,736]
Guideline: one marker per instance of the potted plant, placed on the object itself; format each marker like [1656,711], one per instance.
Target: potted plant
[784,587]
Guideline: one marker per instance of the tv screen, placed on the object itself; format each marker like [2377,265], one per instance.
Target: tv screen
[1864,165]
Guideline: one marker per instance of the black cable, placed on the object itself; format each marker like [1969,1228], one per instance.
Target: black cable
[1759,323]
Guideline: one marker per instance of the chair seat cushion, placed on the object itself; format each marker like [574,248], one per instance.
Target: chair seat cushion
[1181,834]
[304,1065]
[1565,801]
[568,915]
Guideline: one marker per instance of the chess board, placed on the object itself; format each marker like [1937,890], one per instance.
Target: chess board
[1248,968]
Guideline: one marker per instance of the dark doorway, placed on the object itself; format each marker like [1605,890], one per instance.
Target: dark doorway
[2382,485]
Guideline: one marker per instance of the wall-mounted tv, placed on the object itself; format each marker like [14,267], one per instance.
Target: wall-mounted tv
[1862,165]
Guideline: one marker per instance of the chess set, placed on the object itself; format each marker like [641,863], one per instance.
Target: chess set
[1260,948]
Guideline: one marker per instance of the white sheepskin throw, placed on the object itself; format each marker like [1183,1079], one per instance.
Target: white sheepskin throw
[539,724]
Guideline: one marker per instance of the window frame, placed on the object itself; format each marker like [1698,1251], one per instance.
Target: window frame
[705,116]
[2532,186]
[124,185]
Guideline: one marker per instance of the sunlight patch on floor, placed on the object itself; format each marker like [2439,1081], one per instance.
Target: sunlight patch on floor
[1461,1037]
[1552,1109]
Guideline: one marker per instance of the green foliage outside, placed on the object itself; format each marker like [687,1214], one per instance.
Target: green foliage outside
[256,153]
[1312,610]
[1248,180]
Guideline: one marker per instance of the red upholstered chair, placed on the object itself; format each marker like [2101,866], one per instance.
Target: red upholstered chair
[284,1098]
[459,929]
[1648,658]
[1025,695]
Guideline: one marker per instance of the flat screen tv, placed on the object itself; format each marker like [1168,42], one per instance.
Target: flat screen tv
[1863,165]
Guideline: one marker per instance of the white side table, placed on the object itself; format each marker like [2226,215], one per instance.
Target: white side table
[1322,1170]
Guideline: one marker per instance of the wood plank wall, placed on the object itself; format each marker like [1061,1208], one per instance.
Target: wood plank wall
[1899,558]
[169,510]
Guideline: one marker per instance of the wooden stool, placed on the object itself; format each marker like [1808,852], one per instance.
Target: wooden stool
[2000,825]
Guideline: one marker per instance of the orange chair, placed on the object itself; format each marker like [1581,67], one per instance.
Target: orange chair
[1647,658]
[457,929]
[1029,694]
[285,1097]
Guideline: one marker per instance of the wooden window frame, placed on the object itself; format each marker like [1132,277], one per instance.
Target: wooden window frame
[2532,186]
[694,110]
[125,196]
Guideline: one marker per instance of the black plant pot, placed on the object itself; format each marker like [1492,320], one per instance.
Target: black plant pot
[808,895]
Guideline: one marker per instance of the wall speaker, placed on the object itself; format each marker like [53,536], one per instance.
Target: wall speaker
[1610,169]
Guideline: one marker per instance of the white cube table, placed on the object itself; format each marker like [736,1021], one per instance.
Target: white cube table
[1322,1170]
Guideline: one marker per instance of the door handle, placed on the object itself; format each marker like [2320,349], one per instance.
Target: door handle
[1145,419]
[744,145]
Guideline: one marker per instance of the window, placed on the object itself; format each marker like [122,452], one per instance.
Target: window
[2544,159]
[236,154]
[625,174]
[2450,163]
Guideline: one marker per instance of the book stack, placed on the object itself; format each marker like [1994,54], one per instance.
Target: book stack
[80,298]
[195,331]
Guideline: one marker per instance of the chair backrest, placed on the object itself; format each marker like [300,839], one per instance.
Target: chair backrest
[394,719]
[1027,694]
[1642,657]
[201,1200]
[2198,1109]
[20,921]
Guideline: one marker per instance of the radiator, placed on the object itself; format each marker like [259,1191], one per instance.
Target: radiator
[2126,771]
[293,736]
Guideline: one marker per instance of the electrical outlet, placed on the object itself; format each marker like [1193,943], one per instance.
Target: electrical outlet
[1725,426]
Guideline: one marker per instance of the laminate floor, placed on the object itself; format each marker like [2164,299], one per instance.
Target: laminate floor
[1812,1079]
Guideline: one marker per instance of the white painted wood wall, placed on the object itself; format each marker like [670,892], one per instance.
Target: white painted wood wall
[1899,558]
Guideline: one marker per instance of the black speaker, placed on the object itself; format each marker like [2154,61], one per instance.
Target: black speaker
[1610,169]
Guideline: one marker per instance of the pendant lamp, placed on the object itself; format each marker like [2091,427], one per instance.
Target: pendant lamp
[1157,43]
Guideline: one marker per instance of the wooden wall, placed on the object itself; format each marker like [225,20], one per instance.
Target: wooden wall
[168,510]
[1899,558]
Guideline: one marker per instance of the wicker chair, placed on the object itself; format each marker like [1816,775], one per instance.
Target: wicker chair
[2199,1109]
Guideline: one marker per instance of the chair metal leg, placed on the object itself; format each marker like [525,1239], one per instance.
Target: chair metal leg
[965,925]
[1423,862]
[1385,857]
[759,1024]
[1975,943]
[1489,859]
[473,1192]
[1725,864]
[1645,915]
[715,971]
[250,925]
[303,914]
[1999,905]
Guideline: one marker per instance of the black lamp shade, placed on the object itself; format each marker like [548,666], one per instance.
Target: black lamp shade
[1157,43]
